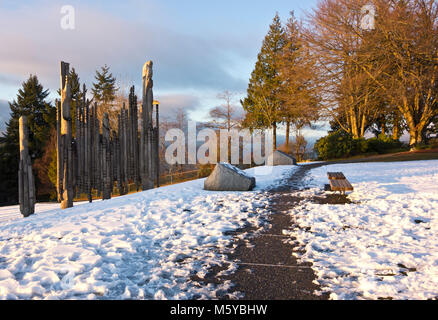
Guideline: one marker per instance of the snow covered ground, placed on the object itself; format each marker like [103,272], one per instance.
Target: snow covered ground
[11,213]
[148,245]
[384,244]
[141,246]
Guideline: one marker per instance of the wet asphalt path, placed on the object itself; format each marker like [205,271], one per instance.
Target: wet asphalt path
[267,269]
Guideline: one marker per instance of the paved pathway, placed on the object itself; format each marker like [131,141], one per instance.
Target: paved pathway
[267,270]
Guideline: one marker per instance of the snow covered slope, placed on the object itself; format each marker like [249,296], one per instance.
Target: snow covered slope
[141,246]
[385,244]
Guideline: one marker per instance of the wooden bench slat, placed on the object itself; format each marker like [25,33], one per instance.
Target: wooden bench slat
[338,182]
[336,176]
[341,185]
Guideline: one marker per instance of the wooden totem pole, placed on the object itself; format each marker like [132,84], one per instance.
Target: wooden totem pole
[99,156]
[134,173]
[26,183]
[65,174]
[106,170]
[146,134]
[157,143]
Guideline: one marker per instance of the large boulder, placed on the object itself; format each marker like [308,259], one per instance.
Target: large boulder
[279,158]
[226,177]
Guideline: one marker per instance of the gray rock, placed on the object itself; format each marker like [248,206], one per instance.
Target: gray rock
[226,177]
[279,158]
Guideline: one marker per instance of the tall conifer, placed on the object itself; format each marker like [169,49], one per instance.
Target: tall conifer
[31,102]
[104,90]
[262,104]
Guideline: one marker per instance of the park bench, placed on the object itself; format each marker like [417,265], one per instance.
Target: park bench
[338,182]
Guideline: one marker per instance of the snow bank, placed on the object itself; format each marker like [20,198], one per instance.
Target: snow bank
[385,244]
[141,246]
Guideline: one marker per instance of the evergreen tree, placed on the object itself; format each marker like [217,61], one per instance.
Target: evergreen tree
[298,92]
[104,90]
[104,93]
[30,102]
[262,104]
[45,168]
[76,92]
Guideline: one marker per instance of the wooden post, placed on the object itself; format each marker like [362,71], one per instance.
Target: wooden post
[77,143]
[147,177]
[133,115]
[66,139]
[123,155]
[126,151]
[96,152]
[59,152]
[128,133]
[118,158]
[92,148]
[105,155]
[157,144]
[88,154]
[26,183]
[83,148]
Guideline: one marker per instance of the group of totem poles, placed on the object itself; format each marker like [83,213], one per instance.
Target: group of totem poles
[98,157]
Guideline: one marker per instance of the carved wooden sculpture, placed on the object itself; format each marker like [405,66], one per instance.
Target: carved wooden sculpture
[82,142]
[94,160]
[26,183]
[105,159]
[88,152]
[157,144]
[146,143]
[125,152]
[135,155]
[65,151]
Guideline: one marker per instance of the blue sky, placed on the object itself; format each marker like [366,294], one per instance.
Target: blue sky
[199,48]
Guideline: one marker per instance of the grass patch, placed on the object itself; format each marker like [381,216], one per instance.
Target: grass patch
[418,155]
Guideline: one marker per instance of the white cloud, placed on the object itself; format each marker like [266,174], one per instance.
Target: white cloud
[34,42]
[171,103]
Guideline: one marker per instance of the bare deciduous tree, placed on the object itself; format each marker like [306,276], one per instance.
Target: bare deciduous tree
[335,37]
[405,42]
[389,69]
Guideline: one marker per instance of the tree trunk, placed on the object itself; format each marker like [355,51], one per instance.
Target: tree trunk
[287,134]
[274,136]
[354,124]
[415,131]
[395,128]
[415,126]
[415,137]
